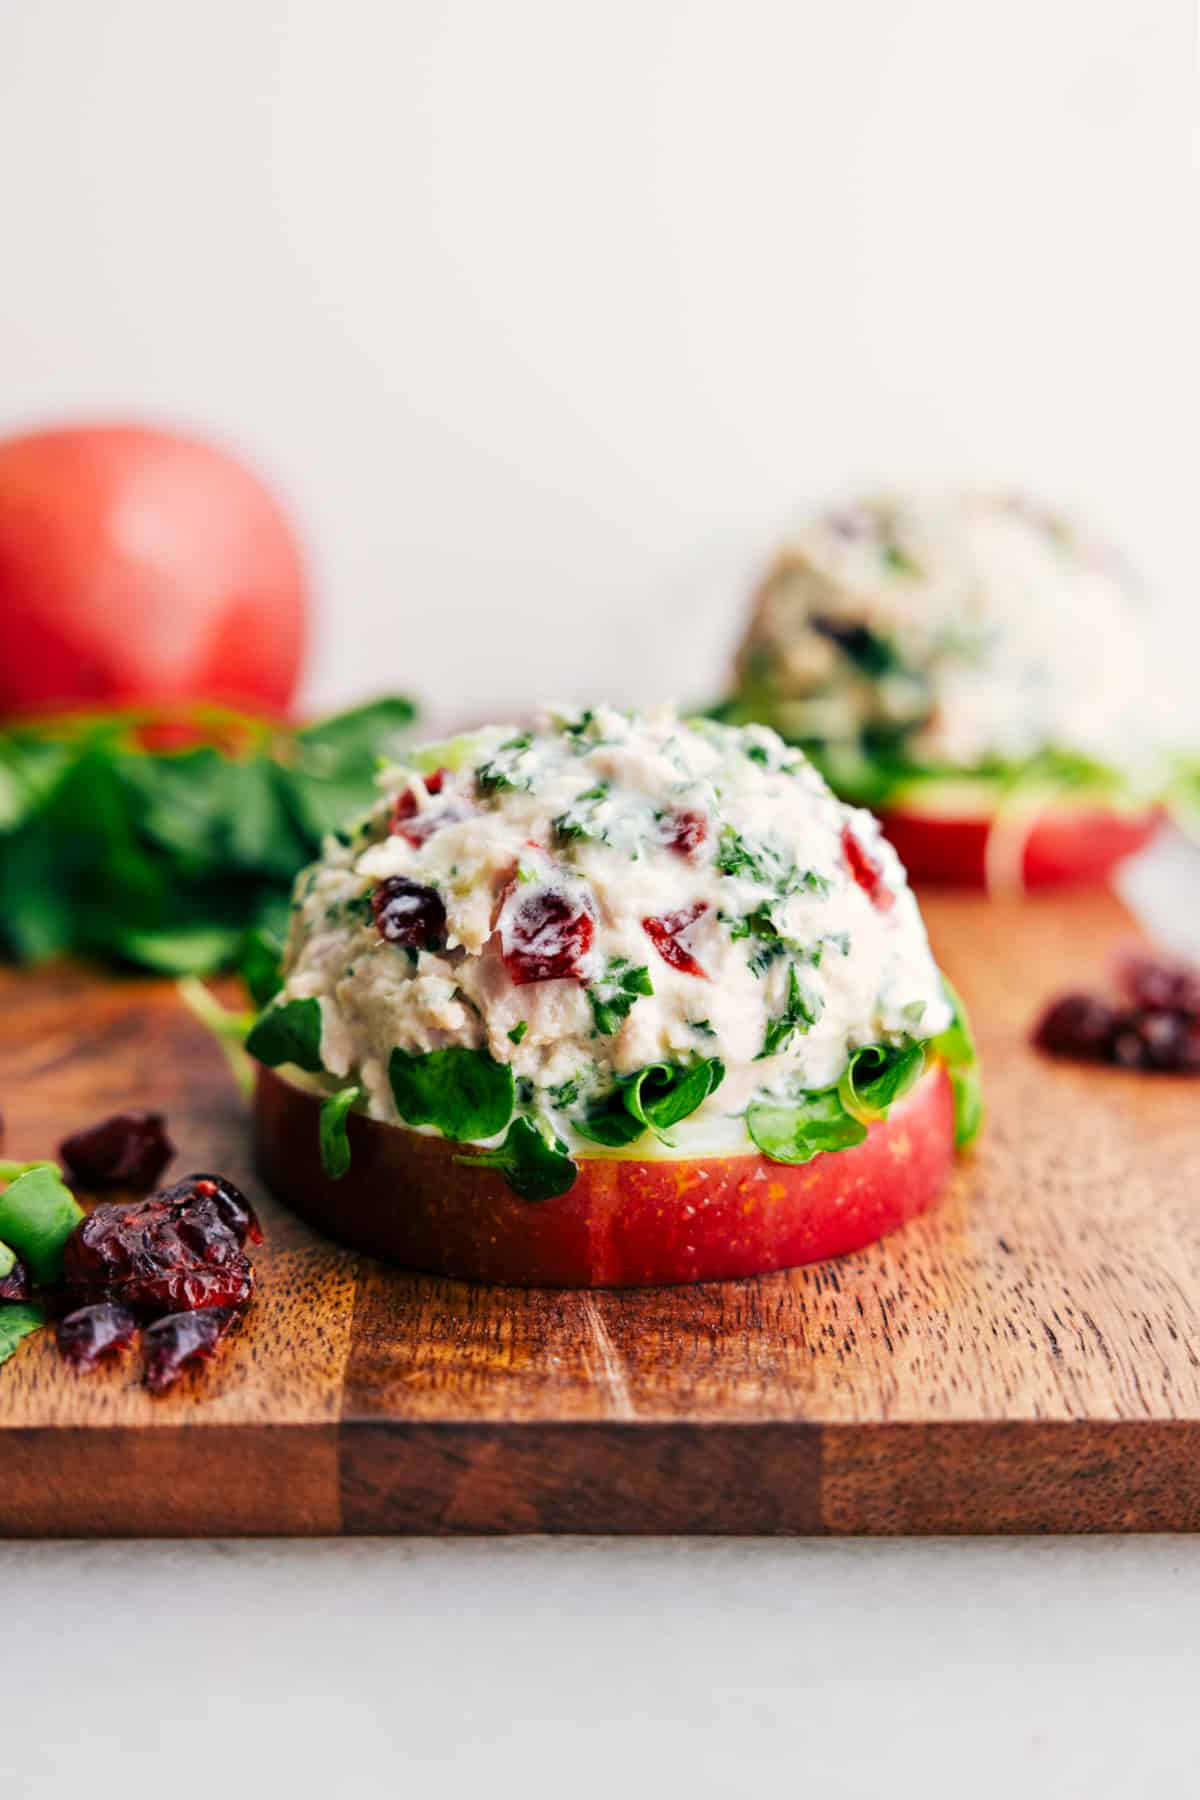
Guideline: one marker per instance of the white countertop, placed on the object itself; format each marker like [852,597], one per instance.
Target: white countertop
[581,1667]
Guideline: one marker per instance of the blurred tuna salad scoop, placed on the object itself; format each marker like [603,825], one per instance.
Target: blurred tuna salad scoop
[956,661]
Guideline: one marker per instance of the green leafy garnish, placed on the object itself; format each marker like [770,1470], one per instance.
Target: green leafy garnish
[796,1131]
[518,1031]
[766,864]
[956,1048]
[579,820]
[289,1031]
[800,1012]
[500,772]
[877,1076]
[17,1320]
[38,1213]
[655,1098]
[464,1093]
[612,997]
[663,1094]
[262,954]
[335,1145]
[114,846]
[8,1261]
[534,1161]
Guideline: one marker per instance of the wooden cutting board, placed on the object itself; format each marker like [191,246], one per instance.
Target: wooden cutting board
[1027,1358]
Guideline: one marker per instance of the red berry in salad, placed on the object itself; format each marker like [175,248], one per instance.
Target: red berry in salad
[670,936]
[866,872]
[684,832]
[546,933]
[408,913]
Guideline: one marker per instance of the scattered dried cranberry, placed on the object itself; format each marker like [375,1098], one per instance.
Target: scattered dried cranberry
[409,914]
[1157,983]
[545,934]
[866,872]
[683,832]
[95,1331]
[1160,1030]
[179,1250]
[669,935]
[1157,1039]
[131,1149]
[1078,1025]
[18,1283]
[179,1339]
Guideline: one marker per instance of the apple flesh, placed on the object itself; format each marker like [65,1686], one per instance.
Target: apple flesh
[415,1199]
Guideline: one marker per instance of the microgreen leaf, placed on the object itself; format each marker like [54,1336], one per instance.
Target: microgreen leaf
[38,1213]
[535,1162]
[877,1076]
[464,1093]
[956,1048]
[8,1261]
[289,1031]
[335,1145]
[662,1094]
[796,1131]
[262,953]
[17,1320]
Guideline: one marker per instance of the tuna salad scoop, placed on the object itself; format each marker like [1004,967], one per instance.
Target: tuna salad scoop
[911,643]
[639,936]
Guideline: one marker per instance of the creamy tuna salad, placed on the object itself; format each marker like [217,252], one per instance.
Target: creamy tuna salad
[903,638]
[638,936]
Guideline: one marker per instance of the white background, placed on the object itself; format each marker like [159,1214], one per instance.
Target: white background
[546,316]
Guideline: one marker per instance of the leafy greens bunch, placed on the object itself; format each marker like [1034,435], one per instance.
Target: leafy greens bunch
[159,839]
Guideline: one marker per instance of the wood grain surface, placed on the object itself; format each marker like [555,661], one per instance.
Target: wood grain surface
[1025,1358]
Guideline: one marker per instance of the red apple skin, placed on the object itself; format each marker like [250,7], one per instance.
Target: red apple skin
[410,1200]
[1068,847]
[141,566]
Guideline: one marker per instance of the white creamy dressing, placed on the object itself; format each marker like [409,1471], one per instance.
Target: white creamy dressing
[1021,633]
[588,809]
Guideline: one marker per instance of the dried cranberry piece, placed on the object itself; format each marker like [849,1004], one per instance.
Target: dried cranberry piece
[669,934]
[179,1339]
[1155,1038]
[18,1283]
[1078,1025]
[415,826]
[1158,983]
[545,934]
[684,832]
[130,1149]
[231,1204]
[408,913]
[95,1331]
[866,872]
[177,1251]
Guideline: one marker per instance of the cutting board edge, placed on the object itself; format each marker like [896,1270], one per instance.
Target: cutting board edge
[392,1477]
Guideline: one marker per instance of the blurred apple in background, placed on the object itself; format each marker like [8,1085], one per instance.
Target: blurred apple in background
[137,565]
